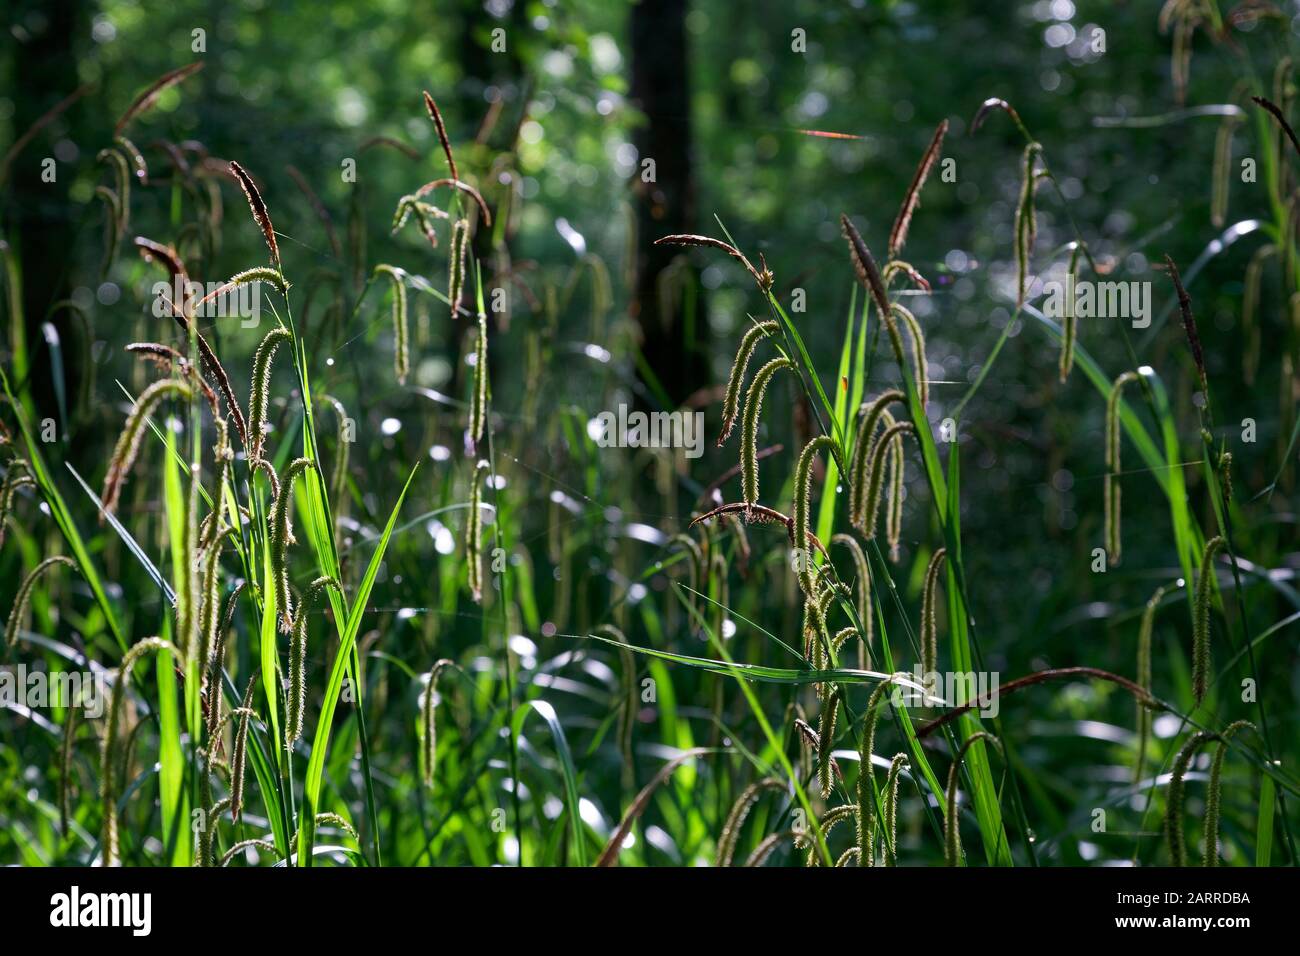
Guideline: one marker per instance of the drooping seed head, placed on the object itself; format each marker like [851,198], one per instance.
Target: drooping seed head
[296,699]
[478,409]
[466,188]
[436,115]
[239,752]
[919,368]
[281,537]
[875,475]
[429,743]
[108,772]
[749,427]
[987,107]
[898,235]
[1201,619]
[862,575]
[731,403]
[260,397]
[803,505]
[474,532]
[1213,800]
[456,264]
[869,418]
[866,785]
[826,739]
[892,778]
[1173,825]
[401,351]
[929,614]
[261,215]
[1026,222]
[1111,487]
[735,820]
[864,266]
[343,445]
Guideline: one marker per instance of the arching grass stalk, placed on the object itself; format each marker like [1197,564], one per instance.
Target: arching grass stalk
[17,476]
[952,824]
[261,215]
[1144,678]
[128,443]
[24,596]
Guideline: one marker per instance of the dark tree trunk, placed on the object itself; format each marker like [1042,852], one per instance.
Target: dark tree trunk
[41,227]
[661,90]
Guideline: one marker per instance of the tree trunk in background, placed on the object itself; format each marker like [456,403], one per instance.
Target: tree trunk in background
[661,90]
[42,228]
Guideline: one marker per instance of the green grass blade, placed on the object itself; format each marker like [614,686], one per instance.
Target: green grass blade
[320,742]
[572,804]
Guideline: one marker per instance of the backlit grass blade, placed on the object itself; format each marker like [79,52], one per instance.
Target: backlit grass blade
[572,805]
[320,742]
[62,517]
[841,416]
